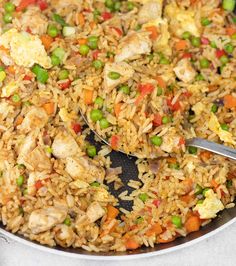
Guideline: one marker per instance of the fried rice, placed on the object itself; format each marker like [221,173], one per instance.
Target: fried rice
[147,75]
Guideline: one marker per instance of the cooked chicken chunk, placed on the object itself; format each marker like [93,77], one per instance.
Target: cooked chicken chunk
[64,235]
[34,20]
[32,179]
[44,219]
[170,141]
[85,169]
[150,11]
[95,212]
[37,160]
[123,69]
[185,71]
[36,118]
[135,43]
[64,145]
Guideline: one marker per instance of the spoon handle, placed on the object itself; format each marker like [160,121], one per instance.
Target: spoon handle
[213,147]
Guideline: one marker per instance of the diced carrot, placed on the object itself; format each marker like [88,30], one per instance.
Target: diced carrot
[81,19]
[131,244]
[49,108]
[153,32]
[112,212]
[47,41]
[171,160]
[88,96]
[181,45]
[192,224]
[82,41]
[38,184]
[19,120]
[188,185]
[161,240]
[205,155]
[117,109]
[229,101]
[230,30]
[11,70]
[187,55]
[174,107]
[27,77]
[24,4]
[4,49]
[114,142]
[92,24]
[157,121]
[161,82]
[154,230]
[214,184]
[187,198]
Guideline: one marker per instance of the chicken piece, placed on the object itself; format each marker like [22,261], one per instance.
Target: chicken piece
[5,110]
[84,169]
[37,160]
[64,235]
[125,71]
[44,219]
[100,194]
[185,71]
[95,212]
[64,145]
[36,118]
[133,44]
[181,20]
[32,179]
[210,206]
[26,147]
[150,11]
[170,141]
[63,6]
[34,20]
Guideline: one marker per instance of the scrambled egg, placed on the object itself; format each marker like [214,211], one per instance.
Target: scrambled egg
[181,20]
[224,135]
[210,206]
[9,89]
[25,49]
[197,88]
[65,116]
[100,194]
[198,108]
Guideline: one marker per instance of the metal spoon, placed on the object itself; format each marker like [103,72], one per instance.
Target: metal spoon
[194,142]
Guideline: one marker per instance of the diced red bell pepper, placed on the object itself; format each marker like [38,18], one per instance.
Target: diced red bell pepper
[106,15]
[220,53]
[95,54]
[173,107]
[118,31]
[144,89]
[42,4]
[28,30]
[181,141]
[24,4]
[114,142]
[76,127]
[187,94]
[38,184]
[27,77]
[187,55]
[65,85]
[156,202]
[157,121]
[205,41]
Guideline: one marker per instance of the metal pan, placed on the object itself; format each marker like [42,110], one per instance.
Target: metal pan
[225,218]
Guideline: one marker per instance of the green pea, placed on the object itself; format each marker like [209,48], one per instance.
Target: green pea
[199,77]
[93,42]
[60,53]
[52,31]
[84,49]
[114,75]
[109,54]
[224,127]
[55,60]
[59,20]
[192,150]
[156,140]
[67,221]
[229,183]
[25,192]
[143,197]
[229,48]
[117,5]
[63,74]
[204,191]
[21,166]
[164,61]
[200,201]
[7,17]
[9,7]
[159,91]
[97,64]
[95,184]
[214,108]
[130,6]
[139,220]
[165,120]
[15,98]
[104,123]
[224,59]
[177,221]
[20,180]
[186,35]
[228,5]
[91,151]
[138,27]
[174,166]
[205,22]
[99,101]
[204,63]
[195,41]
[41,74]
[213,44]
[96,115]
[109,4]
[2,75]
[125,89]
[96,14]
[198,190]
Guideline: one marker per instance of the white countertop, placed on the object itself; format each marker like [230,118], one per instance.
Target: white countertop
[219,250]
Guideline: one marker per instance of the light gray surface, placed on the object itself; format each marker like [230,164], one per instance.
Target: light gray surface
[219,250]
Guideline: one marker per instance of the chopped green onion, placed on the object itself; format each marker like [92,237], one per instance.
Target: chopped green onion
[214,108]
[192,150]
[91,151]
[164,61]
[59,20]
[21,166]
[213,44]
[2,75]
[20,180]
[199,77]
[200,201]
[174,166]
[67,221]
[229,183]
[198,190]
[139,220]
[41,74]
[68,31]
[15,98]
[224,127]
[204,191]
[114,75]
[159,91]
[95,184]
[177,221]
